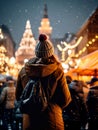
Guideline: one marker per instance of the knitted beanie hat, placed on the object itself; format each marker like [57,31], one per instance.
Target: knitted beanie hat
[44,47]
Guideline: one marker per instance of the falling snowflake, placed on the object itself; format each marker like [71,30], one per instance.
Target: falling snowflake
[10,21]
[59,21]
[26,10]
[19,11]
[77,16]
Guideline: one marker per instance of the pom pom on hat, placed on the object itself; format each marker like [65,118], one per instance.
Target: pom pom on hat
[44,47]
[42,37]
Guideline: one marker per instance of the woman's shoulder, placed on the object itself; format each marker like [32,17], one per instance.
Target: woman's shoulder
[59,71]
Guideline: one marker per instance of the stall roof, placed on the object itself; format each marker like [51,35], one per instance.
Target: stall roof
[88,65]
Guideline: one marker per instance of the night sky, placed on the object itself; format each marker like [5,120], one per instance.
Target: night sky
[64,15]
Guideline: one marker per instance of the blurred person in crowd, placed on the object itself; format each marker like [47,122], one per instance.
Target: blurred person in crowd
[8,94]
[85,89]
[2,85]
[68,79]
[75,114]
[46,67]
[92,104]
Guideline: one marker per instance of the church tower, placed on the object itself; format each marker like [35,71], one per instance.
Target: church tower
[45,24]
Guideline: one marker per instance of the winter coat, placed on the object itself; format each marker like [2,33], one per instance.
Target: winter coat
[8,95]
[92,102]
[54,83]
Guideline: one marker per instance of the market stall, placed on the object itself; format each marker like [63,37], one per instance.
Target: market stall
[88,66]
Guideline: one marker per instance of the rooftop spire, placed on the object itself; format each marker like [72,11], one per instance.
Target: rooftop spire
[45,24]
[45,11]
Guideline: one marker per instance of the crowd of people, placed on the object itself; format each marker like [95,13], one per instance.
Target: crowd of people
[8,120]
[72,104]
[82,112]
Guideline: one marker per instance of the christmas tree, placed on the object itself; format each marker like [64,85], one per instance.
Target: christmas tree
[27,45]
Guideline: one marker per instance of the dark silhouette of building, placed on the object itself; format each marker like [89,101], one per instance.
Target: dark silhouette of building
[89,30]
[93,30]
[7,41]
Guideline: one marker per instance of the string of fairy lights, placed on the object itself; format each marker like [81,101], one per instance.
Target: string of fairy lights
[68,47]
[73,60]
[87,45]
[1,34]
